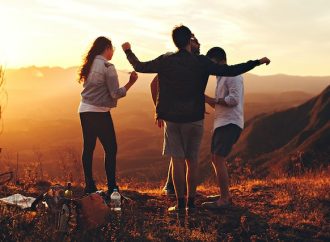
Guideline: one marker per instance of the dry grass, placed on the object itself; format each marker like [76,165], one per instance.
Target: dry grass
[292,208]
[3,95]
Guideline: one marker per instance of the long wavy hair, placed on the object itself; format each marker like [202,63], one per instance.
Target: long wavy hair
[98,47]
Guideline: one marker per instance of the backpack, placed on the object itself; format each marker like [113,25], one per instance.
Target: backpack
[92,211]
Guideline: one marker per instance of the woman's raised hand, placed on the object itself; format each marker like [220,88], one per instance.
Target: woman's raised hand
[133,77]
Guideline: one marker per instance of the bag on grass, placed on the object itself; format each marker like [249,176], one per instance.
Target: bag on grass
[92,211]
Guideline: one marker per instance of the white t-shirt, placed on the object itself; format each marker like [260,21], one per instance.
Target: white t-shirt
[85,107]
[232,90]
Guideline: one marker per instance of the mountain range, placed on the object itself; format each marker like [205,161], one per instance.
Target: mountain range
[41,117]
[291,140]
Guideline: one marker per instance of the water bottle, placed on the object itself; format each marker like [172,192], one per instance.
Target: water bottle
[68,192]
[115,200]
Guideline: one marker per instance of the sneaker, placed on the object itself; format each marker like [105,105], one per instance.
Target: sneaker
[176,209]
[216,205]
[169,191]
[191,208]
[213,197]
[90,189]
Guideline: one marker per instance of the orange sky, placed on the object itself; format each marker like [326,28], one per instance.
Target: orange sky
[294,34]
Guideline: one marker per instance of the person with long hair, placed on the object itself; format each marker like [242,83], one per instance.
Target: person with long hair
[100,93]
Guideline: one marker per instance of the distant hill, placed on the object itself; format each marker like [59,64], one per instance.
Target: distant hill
[29,88]
[41,115]
[281,84]
[286,83]
[42,78]
[288,141]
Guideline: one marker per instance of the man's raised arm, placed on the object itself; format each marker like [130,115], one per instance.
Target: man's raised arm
[232,70]
[144,67]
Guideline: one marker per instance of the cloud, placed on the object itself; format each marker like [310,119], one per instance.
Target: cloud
[280,28]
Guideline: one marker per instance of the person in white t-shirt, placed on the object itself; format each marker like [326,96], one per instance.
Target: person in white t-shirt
[228,124]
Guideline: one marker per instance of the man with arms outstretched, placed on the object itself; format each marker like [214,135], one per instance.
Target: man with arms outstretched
[181,105]
[154,85]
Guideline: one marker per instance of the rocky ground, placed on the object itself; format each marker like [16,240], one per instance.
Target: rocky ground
[287,209]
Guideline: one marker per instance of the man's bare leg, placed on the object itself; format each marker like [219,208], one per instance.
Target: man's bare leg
[178,175]
[219,164]
[192,173]
[169,187]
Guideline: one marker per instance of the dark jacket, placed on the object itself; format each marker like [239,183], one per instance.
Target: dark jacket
[183,78]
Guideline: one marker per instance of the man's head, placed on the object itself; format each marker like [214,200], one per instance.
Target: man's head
[217,55]
[181,36]
[195,45]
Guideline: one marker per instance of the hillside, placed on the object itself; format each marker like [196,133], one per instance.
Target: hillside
[41,121]
[288,141]
[286,209]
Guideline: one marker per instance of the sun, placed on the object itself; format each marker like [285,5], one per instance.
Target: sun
[11,40]
[9,52]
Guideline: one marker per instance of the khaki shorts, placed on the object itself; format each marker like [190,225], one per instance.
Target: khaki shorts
[182,140]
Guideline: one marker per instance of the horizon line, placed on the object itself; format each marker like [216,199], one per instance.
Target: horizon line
[125,70]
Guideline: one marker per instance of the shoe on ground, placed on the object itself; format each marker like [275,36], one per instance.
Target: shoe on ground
[213,197]
[215,205]
[191,208]
[176,209]
[90,189]
[168,191]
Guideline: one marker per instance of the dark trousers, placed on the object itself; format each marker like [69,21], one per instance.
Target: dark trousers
[99,125]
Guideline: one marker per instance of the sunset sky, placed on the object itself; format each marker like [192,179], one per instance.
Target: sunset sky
[294,34]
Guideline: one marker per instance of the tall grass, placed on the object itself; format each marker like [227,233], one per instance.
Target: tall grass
[3,96]
[282,209]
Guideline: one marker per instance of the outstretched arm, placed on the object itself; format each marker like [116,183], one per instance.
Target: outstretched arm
[154,89]
[232,70]
[144,67]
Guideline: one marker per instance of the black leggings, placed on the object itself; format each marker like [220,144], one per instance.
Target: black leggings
[99,125]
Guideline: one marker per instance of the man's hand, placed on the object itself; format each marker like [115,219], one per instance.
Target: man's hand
[159,123]
[126,46]
[221,101]
[264,60]
[210,101]
[133,77]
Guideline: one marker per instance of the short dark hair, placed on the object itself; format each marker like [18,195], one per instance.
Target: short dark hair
[217,53]
[181,36]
